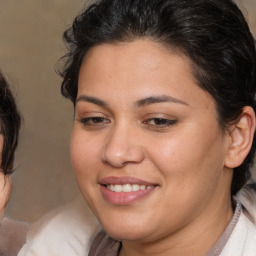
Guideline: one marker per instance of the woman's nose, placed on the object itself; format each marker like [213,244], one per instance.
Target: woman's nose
[122,147]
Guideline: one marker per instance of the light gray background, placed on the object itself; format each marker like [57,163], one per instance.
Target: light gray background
[30,45]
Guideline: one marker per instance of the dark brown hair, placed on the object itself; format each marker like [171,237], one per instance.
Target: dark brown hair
[10,125]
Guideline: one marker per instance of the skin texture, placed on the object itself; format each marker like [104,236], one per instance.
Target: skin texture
[185,158]
[5,186]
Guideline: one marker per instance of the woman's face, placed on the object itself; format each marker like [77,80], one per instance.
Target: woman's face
[146,146]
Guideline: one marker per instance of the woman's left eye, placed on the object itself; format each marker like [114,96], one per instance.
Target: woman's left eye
[160,122]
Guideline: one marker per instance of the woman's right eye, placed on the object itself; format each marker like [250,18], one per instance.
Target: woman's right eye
[94,121]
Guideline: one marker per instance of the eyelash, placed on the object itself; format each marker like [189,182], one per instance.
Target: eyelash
[160,123]
[94,121]
[154,123]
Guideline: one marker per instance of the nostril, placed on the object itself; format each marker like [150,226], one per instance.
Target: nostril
[118,155]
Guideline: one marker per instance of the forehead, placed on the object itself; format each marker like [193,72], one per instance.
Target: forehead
[138,69]
[144,53]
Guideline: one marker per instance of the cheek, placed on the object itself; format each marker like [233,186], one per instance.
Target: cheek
[84,153]
[191,168]
[189,156]
[86,162]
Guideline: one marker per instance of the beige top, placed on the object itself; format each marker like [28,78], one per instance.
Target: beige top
[104,245]
[12,236]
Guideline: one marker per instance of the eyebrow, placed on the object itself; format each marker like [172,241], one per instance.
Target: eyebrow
[93,100]
[159,99]
[140,103]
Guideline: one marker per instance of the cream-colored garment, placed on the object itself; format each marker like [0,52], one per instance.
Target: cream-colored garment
[69,230]
[242,241]
[66,231]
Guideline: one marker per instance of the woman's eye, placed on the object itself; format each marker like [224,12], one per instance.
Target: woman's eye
[160,122]
[94,121]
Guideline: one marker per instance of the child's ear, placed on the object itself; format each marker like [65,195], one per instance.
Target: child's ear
[240,138]
[5,190]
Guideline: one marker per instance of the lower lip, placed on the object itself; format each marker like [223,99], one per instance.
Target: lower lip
[124,198]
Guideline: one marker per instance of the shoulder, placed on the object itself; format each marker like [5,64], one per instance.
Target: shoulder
[12,236]
[65,231]
[243,238]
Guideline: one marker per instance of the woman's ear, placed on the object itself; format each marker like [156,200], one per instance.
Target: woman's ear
[240,138]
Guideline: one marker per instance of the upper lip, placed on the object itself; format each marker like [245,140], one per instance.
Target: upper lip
[124,180]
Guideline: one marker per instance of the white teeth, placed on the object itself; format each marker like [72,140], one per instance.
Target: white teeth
[118,188]
[127,187]
[135,187]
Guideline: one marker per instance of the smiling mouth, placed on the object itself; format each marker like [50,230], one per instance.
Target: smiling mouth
[127,187]
[125,190]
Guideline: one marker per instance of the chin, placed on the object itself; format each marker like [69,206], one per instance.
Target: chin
[128,235]
[125,231]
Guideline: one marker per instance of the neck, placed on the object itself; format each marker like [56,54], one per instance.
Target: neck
[196,239]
